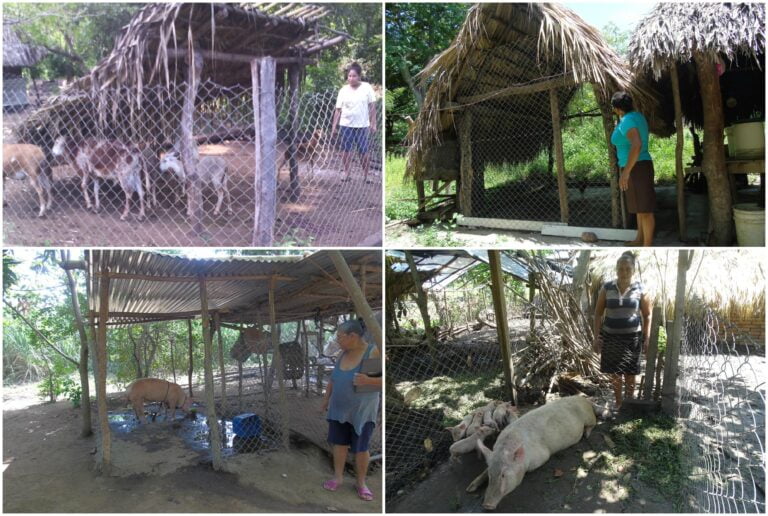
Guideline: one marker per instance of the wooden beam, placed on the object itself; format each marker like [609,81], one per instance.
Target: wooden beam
[327,44]
[101,372]
[682,225]
[562,81]
[210,400]
[466,171]
[576,231]
[227,57]
[190,279]
[506,224]
[502,329]
[362,307]
[557,140]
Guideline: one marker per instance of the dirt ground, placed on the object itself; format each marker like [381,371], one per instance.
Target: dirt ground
[47,467]
[578,479]
[326,212]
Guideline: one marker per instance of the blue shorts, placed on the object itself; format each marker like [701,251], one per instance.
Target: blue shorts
[352,137]
[344,433]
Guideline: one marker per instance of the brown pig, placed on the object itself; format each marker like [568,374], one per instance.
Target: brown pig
[154,389]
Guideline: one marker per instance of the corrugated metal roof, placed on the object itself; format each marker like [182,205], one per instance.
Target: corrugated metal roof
[147,286]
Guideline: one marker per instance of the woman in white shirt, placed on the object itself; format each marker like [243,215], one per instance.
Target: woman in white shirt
[356,116]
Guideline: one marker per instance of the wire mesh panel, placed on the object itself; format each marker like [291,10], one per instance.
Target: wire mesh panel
[508,118]
[721,389]
[118,152]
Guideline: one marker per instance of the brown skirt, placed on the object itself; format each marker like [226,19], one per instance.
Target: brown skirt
[641,197]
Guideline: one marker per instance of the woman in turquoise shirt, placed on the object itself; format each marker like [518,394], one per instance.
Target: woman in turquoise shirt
[631,141]
[351,414]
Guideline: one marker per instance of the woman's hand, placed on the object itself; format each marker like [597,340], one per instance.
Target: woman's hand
[361,379]
[324,406]
[624,180]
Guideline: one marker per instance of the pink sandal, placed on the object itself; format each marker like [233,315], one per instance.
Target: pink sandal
[331,484]
[364,493]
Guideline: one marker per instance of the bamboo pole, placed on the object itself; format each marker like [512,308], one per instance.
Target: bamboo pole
[277,362]
[101,372]
[210,401]
[681,222]
[500,307]
[222,369]
[557,139]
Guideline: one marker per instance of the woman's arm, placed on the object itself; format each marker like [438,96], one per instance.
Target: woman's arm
[599,312]
[646,309]
[364,379]
[327,398]
[372,117]
[336,116]
[634,152]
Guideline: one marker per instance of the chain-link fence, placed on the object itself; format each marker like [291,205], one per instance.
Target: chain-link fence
[324,195]
[514,146]
[721,394]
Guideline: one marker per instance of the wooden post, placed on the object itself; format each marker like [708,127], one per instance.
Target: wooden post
[605,111]
[277,362]
[557,139]
[668,403]
[713,159]
[222,369]
[531,297]
[257,187]
[321,345]
[293,163]
[362,307]
[101,371]
[500,307]
[421,197]
[266,171]
[173,362]
[210,401]
[681,222]
[653,349]
[421,300]
[305,344]
[465,171]
[187,145]
[191,365]
[239,386]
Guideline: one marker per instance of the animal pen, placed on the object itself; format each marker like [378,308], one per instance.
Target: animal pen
[543,312]
[266,392]
[254,158]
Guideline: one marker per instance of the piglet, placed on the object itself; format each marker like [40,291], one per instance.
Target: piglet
[460,431]
[469,444]
[528,442]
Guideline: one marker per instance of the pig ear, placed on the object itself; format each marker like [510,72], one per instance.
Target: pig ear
[482,448]
[517,455]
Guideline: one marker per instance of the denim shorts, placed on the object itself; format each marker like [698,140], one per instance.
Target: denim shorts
[344,433]
[352,137]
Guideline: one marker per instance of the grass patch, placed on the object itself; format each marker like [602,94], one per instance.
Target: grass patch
[400,194]
[652,446]
[456,396]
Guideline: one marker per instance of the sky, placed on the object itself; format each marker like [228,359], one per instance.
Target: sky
[624,14]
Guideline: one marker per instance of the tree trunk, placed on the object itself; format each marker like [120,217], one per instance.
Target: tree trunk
[421,300]
[713,160]
[418,93]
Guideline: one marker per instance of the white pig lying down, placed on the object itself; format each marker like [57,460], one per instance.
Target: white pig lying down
[528,442]
[154,389]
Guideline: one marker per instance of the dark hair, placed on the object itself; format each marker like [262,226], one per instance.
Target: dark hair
[622,100]
[353,326]
[356,67]
[628,256]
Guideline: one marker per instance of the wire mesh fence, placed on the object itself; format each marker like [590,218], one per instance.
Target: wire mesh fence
[118,152]
[514,143]
[721,391]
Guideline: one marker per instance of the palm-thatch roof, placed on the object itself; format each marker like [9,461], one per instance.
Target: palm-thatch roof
[17,54]
[513,44]
[730,33]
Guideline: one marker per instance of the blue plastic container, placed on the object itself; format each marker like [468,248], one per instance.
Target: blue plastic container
[246,425]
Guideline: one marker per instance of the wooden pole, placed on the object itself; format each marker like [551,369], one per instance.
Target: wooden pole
[531,297]
[239,386]
[362,307]
[681,222]
[222,368]
[277,362]
[101,372]
[557,139]
[210,401]
[191,363]
[173,362]
[668,402]
[421,300]
[187,145]
[613,164]
[321,346]
[466,172]
[653,349]
[257,165]
[264,229]
[713,158]
[500,307]
[305,344]
[421,197]
[293,164]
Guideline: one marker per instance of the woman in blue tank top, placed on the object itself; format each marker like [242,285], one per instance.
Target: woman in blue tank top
[351,415]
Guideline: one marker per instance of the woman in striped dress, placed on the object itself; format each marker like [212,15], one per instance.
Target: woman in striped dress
[622,327]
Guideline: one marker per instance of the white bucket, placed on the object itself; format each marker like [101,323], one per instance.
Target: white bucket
[750,224]
[746,140]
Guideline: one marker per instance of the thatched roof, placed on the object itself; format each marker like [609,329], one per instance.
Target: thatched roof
[733,33]
[503,45]
[17,54]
